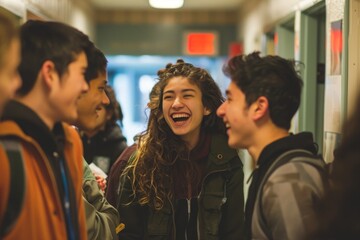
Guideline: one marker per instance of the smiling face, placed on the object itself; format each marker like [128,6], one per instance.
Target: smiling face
[237,118]
[91,103]
[65,92]
[183,109]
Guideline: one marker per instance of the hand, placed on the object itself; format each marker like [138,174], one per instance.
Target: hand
[101,182]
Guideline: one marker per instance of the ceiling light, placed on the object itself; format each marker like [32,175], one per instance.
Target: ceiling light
[166,4]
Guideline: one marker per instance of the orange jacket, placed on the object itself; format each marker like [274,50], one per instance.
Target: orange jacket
[42,215]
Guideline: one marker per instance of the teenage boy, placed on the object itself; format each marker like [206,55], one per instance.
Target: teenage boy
[262,98]
[53,65]
[101,218]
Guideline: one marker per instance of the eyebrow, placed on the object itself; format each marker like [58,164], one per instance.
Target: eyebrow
[183,90]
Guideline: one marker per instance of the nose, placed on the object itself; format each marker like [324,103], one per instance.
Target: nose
[221,110]
[177,103]
[85,86]
[105,99]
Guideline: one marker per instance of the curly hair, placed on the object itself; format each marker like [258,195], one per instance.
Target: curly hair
[159,148]
[270,76]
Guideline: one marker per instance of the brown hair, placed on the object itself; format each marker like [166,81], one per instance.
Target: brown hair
[159,148]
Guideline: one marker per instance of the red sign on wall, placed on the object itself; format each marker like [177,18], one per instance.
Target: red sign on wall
[336,41]
[201,43]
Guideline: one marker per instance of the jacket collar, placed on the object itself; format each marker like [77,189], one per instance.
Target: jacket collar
[32,125]
[221,154]
[302,140]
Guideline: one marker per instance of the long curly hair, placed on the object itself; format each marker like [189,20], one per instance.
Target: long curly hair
[159,148]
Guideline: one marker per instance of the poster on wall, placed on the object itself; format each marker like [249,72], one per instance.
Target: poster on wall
[332,123]
[336,41]
[331,142]
[332,104]
[332,107]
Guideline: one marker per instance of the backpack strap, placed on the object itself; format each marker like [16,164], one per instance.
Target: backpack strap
[17,185]
[296,155]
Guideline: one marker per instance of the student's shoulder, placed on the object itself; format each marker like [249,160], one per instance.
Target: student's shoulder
[11,128]
[71,133]
[123,159]
[300,167]
[70,129]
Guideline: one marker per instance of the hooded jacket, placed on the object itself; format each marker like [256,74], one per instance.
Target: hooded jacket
[220,202]
[288,196]
[42,215]
[105,147]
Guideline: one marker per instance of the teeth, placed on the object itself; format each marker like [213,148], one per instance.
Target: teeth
[227,125]
[180,115]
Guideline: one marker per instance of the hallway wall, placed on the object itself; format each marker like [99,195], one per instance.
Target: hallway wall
[77,13]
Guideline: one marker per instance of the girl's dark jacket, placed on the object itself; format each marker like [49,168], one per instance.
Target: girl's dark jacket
[221,202]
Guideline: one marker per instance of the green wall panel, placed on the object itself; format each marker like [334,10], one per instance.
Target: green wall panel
[159,39]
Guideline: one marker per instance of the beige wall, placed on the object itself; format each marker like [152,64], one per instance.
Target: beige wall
[259,16]
[77,13]
[354,54]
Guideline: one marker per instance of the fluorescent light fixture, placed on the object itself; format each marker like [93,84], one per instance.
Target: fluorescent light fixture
[166,4]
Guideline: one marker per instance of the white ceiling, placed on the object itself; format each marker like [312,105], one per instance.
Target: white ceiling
[188,4]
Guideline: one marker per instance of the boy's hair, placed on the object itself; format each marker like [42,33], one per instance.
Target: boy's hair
[272,77]
[8,32]
[54,41]
[114,107]
[97,63]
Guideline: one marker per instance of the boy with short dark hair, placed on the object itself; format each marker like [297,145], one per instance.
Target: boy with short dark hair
[263,96]
[101,218]
[52,68]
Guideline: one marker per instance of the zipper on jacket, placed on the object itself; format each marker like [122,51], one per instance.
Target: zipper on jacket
[188,201]
[188,215]
[188,209]
[173,218]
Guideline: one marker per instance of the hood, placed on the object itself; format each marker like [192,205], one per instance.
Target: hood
[112,133]
[302,140]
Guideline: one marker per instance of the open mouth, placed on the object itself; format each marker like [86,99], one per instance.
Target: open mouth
[180,117]
[99,109]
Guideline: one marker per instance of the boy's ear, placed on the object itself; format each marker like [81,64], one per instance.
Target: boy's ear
[261,107]
[48,73]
